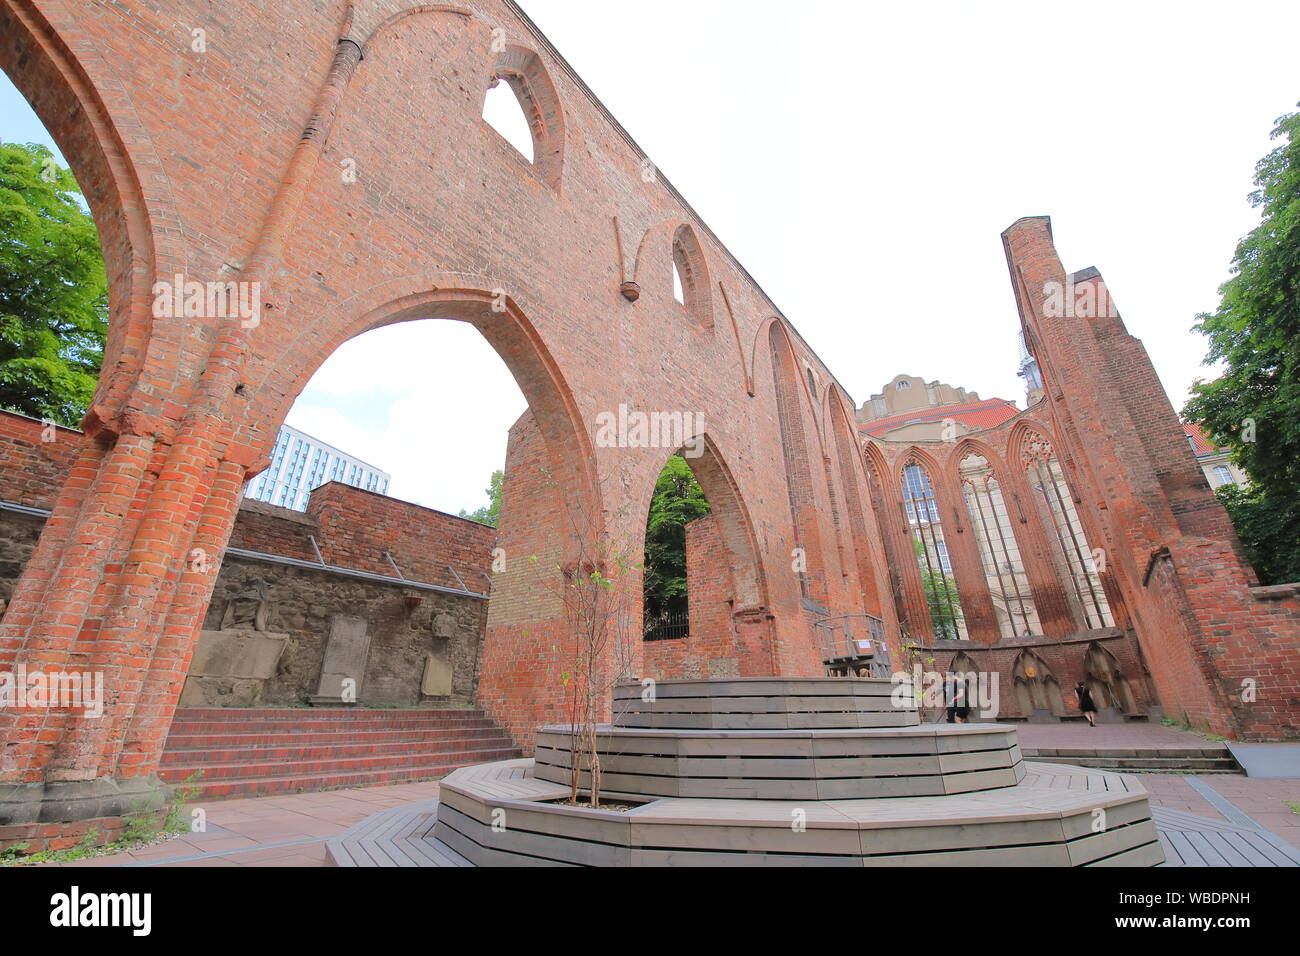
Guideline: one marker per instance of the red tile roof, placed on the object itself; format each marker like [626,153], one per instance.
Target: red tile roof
[1202,444]
[983,413]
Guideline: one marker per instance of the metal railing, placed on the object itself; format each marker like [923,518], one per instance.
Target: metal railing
[667,627]
[853,642]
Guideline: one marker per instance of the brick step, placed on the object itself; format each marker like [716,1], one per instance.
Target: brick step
[293,714]
[312,773]
[265,786]
[289,738]
[1168,762]
[332,749]
[186,728]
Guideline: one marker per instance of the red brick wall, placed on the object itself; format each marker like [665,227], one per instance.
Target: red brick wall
[1223,656]
[32,470]
[456,226]
[352,527]
[711,649]
[358,526]
[527,648]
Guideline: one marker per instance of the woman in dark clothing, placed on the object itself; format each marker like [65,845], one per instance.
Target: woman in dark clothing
[1086,706]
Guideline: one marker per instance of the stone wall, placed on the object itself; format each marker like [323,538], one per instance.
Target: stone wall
[406,625]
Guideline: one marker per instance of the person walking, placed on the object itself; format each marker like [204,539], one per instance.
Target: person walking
[1086,706]
[958,705]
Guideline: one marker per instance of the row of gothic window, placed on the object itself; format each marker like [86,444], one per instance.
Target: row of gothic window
[1000,555]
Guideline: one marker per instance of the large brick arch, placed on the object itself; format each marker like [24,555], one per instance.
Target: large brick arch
[336,157]
[476,300]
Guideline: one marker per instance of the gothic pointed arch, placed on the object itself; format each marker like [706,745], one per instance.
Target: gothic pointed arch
[1105,677]
[800,447]
[1037,691]
[924,520]
[523,71]
[1071,551]
[999,548]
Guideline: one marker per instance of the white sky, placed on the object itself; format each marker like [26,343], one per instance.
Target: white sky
[882,148]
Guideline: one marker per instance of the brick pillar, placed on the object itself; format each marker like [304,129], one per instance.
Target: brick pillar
[1050,591]
[964,552]
[1222,656]
[907,589]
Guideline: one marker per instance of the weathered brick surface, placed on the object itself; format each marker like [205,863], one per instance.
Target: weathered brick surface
[711,649]
[335,157]
[1222,655]
[362,526]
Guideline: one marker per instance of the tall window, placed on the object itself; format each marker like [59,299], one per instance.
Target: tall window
[1004,569]
[503,111]
[922,511]
[1056,501]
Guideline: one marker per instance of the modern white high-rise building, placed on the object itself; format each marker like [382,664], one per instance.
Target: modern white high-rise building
[301,463]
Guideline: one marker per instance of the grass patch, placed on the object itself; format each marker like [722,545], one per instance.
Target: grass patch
[1188,728]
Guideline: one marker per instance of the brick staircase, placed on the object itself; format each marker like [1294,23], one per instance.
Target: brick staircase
[236,752]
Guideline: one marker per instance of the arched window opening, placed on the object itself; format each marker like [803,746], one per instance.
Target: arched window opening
[504,112]
[1004,570]
[798,455]
[677,501]
[922,513]
[691,276]
[1056,503]
[1105,678]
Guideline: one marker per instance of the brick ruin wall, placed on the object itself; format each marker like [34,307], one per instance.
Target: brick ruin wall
[353,528]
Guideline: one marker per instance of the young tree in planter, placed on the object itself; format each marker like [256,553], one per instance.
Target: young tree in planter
[597,587]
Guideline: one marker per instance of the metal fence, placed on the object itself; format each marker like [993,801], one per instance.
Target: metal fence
[667,627]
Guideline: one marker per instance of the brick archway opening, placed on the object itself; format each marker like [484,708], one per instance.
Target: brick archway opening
[726,627]
[66,100]
[551,512]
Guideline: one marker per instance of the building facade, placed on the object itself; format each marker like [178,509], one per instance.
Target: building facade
[1215,460]
[301,463]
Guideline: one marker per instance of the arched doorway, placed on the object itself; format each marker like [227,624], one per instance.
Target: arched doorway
[726,631]
[551,517]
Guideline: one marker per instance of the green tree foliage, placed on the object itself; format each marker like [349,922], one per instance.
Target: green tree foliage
[677,501]
[1268,532]
[490,513]
[53,293]
[1254,407]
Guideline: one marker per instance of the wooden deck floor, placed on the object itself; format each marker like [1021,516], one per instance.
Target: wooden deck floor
[1190,840]
[403,836]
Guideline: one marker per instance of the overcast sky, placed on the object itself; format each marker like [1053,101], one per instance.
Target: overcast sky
[881,148]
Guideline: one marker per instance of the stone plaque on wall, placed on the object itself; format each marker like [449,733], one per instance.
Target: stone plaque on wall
[437,676]
[345,661]
[229,668]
